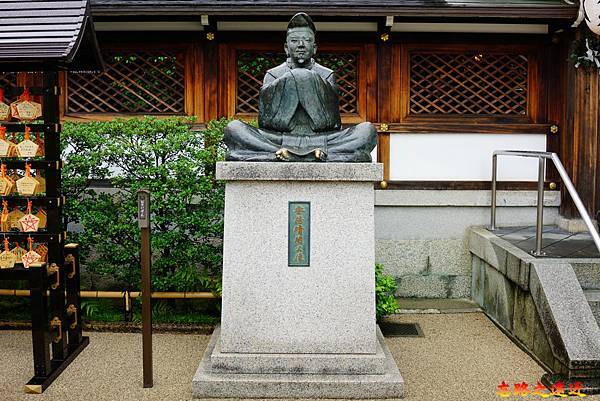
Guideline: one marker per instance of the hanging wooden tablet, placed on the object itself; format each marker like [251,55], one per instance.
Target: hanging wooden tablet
[41,188]
[31,256]
[18,252]
[41,214]
[14,177]
[43,252]
[27,185]
[27,148]
[13,145]
[14,216]
[7,258]
[4,108]
[5,144]
[6,183]
[24,108]
[4,220]
[29,222]
[41,145]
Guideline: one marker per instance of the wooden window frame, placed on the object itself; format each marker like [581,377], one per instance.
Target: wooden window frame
[366,75]
[400,91]
[394,92]
[192,77]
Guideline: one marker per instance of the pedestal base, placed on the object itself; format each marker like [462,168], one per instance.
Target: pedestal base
[210,381]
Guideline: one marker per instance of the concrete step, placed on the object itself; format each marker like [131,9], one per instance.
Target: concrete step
[593,297]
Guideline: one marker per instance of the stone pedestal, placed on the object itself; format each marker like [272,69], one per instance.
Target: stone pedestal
[298,331]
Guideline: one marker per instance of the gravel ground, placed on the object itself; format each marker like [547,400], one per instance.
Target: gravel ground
[463,356]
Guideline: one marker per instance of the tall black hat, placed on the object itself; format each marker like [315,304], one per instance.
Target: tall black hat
[302,20]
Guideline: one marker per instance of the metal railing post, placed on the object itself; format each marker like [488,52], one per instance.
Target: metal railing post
[494,178]
[539,225]
[542,156]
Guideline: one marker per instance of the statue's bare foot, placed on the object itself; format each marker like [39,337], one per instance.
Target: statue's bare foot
[319,154]
[282,154]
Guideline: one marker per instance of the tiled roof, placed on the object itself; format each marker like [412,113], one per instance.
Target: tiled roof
[34,32]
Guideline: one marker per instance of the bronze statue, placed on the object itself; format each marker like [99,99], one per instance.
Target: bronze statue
[299,117]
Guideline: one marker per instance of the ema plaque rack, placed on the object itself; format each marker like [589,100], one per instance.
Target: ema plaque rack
[53,278]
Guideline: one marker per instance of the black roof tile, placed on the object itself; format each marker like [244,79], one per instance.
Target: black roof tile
[39,33]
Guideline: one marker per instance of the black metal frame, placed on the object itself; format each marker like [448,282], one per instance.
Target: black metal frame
[55,285]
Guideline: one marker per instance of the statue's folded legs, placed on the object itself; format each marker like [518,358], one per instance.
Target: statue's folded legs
[248,143]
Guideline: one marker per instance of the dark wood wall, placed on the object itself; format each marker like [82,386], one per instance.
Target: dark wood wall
[580,138]
[558,94]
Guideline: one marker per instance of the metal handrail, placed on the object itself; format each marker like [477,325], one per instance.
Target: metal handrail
[540,202]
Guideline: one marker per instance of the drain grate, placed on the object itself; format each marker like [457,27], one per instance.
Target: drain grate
[401,329]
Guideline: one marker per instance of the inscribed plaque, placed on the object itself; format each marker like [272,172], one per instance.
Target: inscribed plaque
[299,234]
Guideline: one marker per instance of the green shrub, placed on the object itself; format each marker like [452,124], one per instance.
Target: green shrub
[385,290]
[177,165]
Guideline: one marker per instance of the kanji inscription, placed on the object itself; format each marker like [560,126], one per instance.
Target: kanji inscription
[299,234]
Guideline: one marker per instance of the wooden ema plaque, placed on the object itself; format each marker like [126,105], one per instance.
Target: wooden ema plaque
[25,108]
[13,218]
[27,148]
[42,250]
[29,222]
[27,185]
[4,219]
[30,258]
[41,188]
[41,214]
[4,108]
[7,258]
[6,185]
[41,145]
[18,251]
[6,146]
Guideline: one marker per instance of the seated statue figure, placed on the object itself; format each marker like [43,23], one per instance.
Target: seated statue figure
[299,117]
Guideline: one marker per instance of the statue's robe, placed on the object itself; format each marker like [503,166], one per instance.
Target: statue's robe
[299,111]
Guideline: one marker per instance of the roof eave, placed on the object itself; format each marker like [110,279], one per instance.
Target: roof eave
[562,11]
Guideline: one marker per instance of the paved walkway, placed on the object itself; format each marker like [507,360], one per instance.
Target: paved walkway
[463,356]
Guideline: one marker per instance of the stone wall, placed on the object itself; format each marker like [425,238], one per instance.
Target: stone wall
[540,304]
[421,234]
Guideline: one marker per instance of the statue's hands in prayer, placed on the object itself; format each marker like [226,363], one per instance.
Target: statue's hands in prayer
[282,154]
[302,73]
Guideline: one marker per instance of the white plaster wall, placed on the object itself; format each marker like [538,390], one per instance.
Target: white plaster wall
[462,157]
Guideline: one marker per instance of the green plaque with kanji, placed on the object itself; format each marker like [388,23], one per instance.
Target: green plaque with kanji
[299,234]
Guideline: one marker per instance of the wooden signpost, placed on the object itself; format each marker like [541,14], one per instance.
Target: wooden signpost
[144,224]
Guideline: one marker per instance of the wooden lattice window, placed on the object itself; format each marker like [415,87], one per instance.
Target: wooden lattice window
[252,66]
[468,83]
[134,82]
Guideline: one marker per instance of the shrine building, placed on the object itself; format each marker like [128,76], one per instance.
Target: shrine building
[445,82]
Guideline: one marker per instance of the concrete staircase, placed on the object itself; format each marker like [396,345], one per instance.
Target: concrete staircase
[550,306]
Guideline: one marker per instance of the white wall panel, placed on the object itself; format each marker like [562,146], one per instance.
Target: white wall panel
[462,157]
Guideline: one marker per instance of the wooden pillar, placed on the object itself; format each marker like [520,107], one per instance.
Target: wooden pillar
[384,95]
[211,80]
[580,139]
